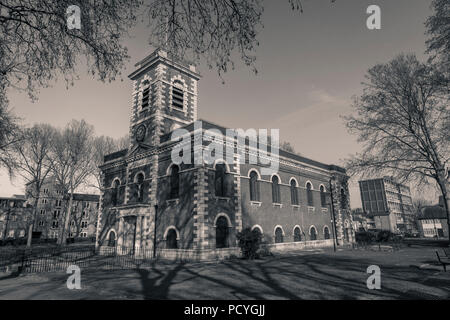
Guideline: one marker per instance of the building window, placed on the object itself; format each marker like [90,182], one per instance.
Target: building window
[313,233]
[145,97]
[56,214]
[55,224]
[297,234]
[115,193]
[309,194]
[326,233]
[294,193]
[344,199]
[11,234]
[112,239]
[254,186]
[58,203]
[83,235]
[178,94]
[84,224]
[174,182]
[222,233]
[171,240]
[276,198]
[323,201]
[279,235]
[41,223]
[22,233]
[221,180]
[140,187]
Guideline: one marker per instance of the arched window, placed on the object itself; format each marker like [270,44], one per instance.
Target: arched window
[221,233]
[343,199]
[174,182]
[279,235]
[115,193]
[294,192]
[171,239]
[309,194]
[221,180]
[178,94]
[313,233]
[276,190]
[297,234]
[145,97]
[140,187]
[326,233]
[254,186]
[112,239]
[323,201]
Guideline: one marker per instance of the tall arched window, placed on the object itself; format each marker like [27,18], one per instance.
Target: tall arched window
[309,194]
[171,240]
[279,235]
[343,199]
[140,187]
[112,239]
[313,233]
[276,198]
[115,193]
[178,94]
[297,234]
[294,192]
[254,187]
[323,200]
[145,97]
[221,180]
[326,233]
[222,233]
[174,182]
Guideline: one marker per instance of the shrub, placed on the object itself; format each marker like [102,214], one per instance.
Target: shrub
[249,242]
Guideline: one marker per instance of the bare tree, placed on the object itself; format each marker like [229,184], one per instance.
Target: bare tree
[29,158]
[9,135]
[72,161]
[403,120]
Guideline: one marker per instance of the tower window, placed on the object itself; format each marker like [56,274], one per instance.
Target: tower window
[145,98]
[178,94]
[174,182]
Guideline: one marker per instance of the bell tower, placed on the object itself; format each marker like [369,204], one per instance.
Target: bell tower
[164,98]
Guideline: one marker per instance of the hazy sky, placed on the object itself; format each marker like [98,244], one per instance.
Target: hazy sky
[310,65]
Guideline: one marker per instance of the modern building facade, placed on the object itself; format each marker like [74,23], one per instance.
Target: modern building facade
[433,221]
[52,206]
[389,203]
[195,209]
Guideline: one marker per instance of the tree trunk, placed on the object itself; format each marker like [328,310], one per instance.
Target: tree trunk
[67,220]
[99,211]
[445,188]
[33,219]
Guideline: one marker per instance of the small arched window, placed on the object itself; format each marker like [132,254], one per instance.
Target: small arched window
[323,200]
[279,235]
[313,233]
[294,192]
[309,194]
[254,186]
[171,240]
[178,94]
[174,182]
[326,233]
[276,190]
[221,180]
[222,233]
[115,193]
[297,234]
[140,187]
[343,199]
[145,95]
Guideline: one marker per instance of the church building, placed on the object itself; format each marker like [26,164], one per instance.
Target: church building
[195,210]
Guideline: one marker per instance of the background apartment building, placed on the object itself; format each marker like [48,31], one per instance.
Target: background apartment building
[15,216]
[389,203]
[51,209]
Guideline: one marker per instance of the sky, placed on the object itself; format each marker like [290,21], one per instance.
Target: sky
[310,65]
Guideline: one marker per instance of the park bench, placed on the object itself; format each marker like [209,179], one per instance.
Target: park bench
[444,263]
[447,252]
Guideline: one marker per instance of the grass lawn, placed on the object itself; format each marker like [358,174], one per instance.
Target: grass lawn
[410,273]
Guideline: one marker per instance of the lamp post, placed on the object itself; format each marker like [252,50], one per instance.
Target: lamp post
[333,222]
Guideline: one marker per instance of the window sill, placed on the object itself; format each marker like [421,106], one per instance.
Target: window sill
[295,207]
[227,199]
[280,205]
[255,203]
[324,209]
[311,209]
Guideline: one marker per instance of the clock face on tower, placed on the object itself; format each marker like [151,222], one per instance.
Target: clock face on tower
[140,133]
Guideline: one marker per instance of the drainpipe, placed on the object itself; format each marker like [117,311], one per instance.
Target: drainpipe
[154,232]
[333,221]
